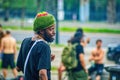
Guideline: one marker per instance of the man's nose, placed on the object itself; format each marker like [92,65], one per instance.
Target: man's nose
[54,33]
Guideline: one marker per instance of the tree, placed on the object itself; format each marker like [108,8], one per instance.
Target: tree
[111,11]
[22,13]
[38,5]
[6,7]
[19,5]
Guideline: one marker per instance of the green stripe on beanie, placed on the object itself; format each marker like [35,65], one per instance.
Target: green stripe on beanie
[43,20]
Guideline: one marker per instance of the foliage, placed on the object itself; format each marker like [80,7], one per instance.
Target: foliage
[71,4]
[6,3]
[31,4]
[18,4]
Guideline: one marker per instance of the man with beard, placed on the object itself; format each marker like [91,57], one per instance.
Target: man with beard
[97,56]
[36,64]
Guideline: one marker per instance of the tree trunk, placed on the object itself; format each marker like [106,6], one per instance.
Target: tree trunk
[6,6]
[22,17]
[23,13]
[111,11]
[6,18]
[38,6]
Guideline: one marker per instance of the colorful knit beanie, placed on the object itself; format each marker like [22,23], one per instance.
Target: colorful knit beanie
[43,20]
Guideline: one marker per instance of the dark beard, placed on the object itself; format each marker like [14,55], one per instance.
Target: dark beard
[47,37]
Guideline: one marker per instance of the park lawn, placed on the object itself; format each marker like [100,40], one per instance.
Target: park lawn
[69,29]
[90,30]
[17,28]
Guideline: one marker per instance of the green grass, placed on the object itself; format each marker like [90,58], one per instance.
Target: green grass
[70,29]
[90,30]
[17,28]
[19,42]
[53,68]
[0,64]
[57,45]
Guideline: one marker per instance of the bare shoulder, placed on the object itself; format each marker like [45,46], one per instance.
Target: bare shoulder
[102,51]
[13,38]
[3,39]
[94,50]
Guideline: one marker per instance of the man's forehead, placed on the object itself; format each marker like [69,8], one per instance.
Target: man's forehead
[53,26]
[99,42]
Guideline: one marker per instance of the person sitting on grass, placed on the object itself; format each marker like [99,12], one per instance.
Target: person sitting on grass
[97,57]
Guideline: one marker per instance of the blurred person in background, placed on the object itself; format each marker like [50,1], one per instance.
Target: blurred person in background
[8,47]
[1,36]
[83,42]
[97,57]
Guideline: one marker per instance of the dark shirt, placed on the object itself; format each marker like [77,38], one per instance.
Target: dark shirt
[79,50]
[39,59]
[24,49]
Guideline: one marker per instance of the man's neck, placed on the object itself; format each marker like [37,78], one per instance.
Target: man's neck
[98,48]
[37,37]
[8,35]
